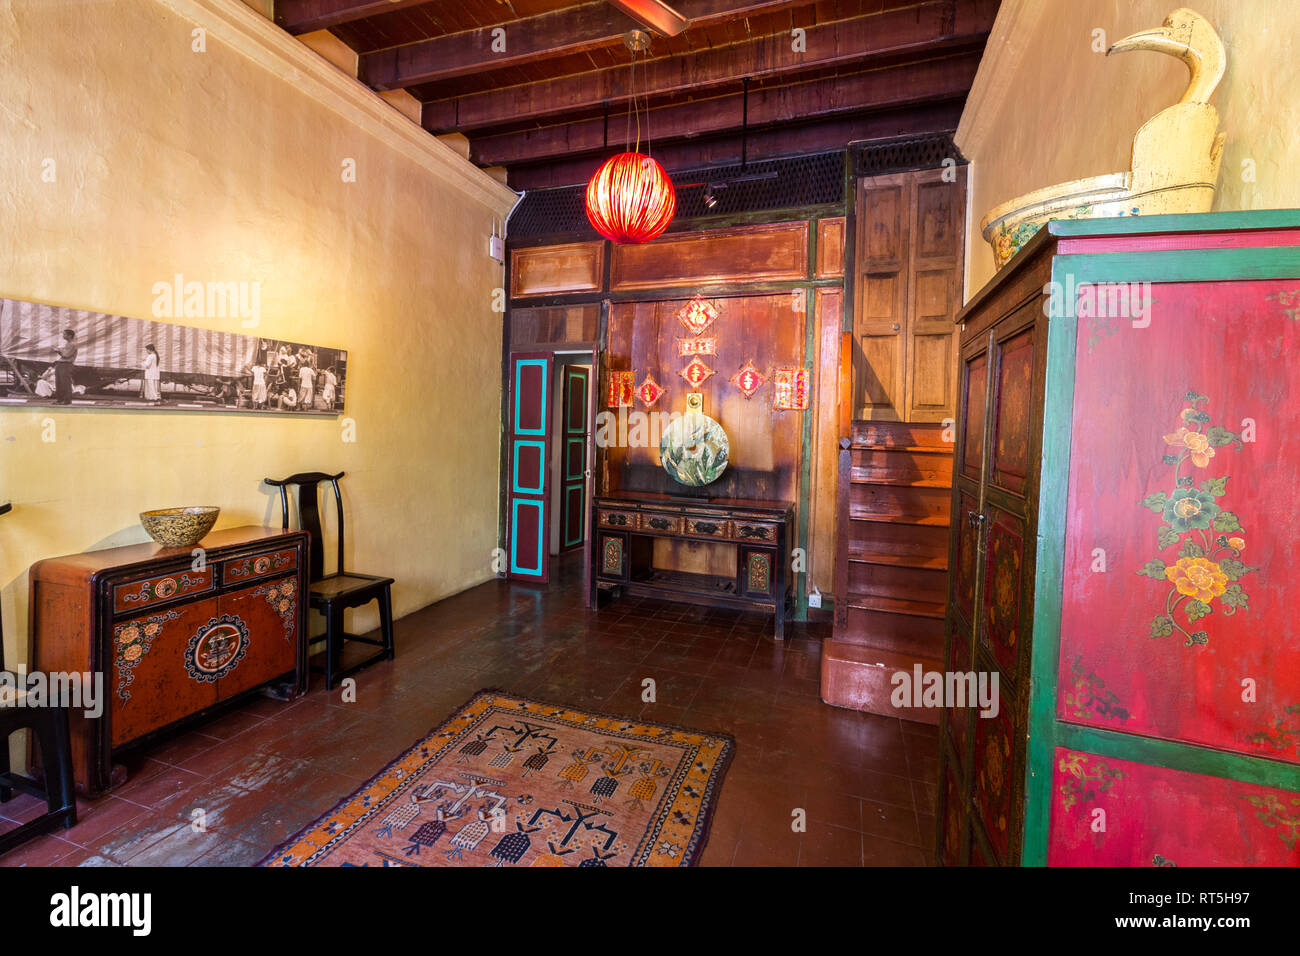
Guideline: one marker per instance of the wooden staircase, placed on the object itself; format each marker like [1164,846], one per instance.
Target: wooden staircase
[895,486]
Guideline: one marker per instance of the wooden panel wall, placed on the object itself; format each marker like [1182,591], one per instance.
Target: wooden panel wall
[770,252]
[556,325]
[765,443]
[547,270]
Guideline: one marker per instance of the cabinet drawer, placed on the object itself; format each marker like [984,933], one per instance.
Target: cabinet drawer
[655,522]
[704,526]
[241,570]
[147,592]
[615,519]
[755,531]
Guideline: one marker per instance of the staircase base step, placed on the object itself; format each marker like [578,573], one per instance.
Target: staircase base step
[859,678]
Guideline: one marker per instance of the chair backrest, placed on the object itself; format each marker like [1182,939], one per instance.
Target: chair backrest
[309,514]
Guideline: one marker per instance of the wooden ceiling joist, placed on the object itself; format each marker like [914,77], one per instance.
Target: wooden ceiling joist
[573,30]
[920,83]
[933,26]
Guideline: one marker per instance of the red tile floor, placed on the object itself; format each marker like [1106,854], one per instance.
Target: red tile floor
[263,769]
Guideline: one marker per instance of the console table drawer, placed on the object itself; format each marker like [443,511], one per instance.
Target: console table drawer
[147,592]
[755,531]
[653,522]
[706,526]
[239,570]
[616,519]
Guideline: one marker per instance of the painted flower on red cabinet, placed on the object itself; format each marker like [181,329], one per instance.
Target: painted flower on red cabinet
[1197,578]
[1197,445]
[1208,565]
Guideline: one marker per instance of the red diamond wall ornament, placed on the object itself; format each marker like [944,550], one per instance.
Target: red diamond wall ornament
[649,391]
[697,315]
[749,380]
[696,372]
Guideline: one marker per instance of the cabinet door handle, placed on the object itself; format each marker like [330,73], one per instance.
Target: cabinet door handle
[896,326]
[974,519]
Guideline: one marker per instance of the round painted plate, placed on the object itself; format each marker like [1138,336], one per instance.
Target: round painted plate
[694,450]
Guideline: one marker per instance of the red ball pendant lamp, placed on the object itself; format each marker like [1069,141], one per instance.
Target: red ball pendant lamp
[630,199]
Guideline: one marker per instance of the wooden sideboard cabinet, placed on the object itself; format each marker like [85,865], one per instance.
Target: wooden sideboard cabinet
[625,528]
[172,636]
[1123,549]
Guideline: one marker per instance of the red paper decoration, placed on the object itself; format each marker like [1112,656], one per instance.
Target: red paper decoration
[697,315]
[791,389]
[704,346]
[630,198]
[620,389]
[696,372]
[749,380]
[649,391]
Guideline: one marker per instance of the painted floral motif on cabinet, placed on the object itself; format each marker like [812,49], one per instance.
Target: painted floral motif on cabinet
[958,663]
[954,826]
[994,770]
[1011,413]
[1002,589]
[132,640]
[1180,507]
[1203,820]
[966,556]
[1208,537]
[283,598]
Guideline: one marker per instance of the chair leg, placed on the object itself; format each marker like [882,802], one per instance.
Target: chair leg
[56,763]
[6,792]
[386,619]
[334,640]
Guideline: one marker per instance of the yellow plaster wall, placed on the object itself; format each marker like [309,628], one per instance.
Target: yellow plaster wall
[211,165]
[1046,109]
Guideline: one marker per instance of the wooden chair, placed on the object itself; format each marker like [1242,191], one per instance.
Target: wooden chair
[333,594]
[49,724]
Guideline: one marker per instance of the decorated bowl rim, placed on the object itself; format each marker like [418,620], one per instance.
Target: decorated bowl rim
[183,511]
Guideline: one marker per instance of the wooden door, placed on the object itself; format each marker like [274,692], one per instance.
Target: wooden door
[884,232]
[908,280]
[574,392]
[528,501]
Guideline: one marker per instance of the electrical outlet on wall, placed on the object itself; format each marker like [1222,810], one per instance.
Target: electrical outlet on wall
[814,598]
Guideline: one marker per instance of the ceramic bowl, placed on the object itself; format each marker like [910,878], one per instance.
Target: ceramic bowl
[179,527]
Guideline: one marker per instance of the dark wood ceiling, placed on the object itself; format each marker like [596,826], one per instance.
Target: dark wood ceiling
[555,102]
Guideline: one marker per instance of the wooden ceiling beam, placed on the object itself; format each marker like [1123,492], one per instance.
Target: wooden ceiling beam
[936,25]
[914,84]
[577,29]
[725,150]
[304,16]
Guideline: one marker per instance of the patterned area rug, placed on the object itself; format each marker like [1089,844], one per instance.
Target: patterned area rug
[507,780]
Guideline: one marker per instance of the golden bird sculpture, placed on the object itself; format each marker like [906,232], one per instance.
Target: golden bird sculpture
[1176,153]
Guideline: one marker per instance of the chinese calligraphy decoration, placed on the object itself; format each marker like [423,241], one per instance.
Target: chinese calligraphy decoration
[749,380]
[649,391]
[620,389]
[696,372]
[701,346]
[791,389]
[697,315]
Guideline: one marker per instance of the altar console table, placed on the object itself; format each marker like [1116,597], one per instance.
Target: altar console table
[173,636]
[621,549]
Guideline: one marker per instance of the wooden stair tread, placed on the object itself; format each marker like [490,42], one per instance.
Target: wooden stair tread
[899,483]
[923,520]
[945,450]
[928,562]
[890,605]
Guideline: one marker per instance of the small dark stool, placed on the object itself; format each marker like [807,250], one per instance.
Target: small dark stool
[332,594]
[50,725]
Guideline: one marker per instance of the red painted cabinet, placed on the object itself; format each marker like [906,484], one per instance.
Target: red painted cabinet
[1123,550]
[171,632]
